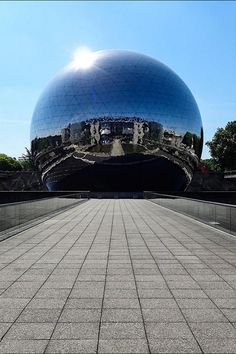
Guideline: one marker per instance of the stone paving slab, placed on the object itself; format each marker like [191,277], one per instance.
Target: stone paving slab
[118,276]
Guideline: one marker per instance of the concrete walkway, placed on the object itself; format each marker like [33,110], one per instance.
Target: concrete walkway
[118,276]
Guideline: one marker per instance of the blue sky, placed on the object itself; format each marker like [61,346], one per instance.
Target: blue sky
[195,39]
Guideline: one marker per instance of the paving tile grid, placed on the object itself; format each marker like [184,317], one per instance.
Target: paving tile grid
[118,276]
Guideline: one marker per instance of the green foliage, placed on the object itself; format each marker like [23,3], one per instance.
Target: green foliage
[210,164]
[27,161]
[223,147]
[8,163]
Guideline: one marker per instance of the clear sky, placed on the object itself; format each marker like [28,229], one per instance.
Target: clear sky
[195,39]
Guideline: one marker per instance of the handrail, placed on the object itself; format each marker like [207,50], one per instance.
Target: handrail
[172,196]
[14,214]
[219,215]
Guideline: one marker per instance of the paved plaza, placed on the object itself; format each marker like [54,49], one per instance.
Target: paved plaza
[118,276]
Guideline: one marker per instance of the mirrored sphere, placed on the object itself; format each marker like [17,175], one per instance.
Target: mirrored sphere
[116,121]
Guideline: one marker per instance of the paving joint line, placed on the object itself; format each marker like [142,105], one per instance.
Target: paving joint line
[163,275]
[212,241]
[29,237]
[15,230]
[45,350]
[48,275]
[30,249]
[108,253]
[140,307]
[228,321]
[192,218]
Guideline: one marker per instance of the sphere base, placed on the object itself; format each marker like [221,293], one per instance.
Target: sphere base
[157,174]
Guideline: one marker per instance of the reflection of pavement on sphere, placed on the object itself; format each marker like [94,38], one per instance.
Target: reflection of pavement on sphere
[117,149]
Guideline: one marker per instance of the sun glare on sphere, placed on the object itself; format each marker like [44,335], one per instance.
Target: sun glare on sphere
[83,58]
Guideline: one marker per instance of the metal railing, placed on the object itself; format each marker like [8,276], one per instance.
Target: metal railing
[18,213]
[27,206]
[219,215]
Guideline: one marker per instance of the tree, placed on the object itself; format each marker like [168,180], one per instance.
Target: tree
[210,164]
[8,163]
[27,161]
[223,147]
